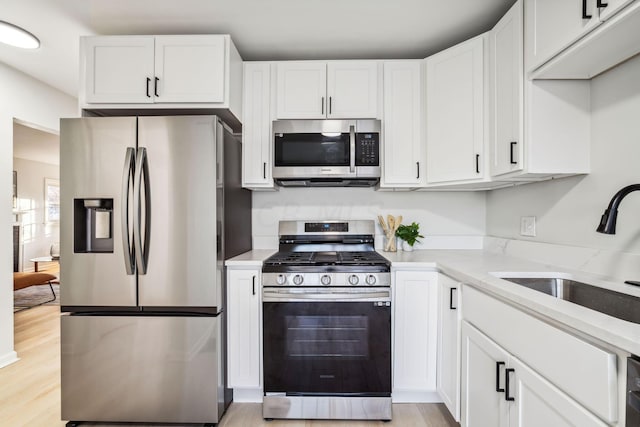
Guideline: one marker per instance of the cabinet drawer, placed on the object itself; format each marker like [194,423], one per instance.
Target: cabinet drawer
[583,371]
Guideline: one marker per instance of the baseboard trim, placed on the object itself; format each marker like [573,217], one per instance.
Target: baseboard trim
[8,359]
[248,395]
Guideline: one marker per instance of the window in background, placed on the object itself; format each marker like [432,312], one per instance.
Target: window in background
[51,200]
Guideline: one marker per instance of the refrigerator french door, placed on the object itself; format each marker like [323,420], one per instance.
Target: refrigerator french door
[142,250]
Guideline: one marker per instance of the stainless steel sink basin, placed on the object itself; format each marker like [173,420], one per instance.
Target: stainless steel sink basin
[612,303]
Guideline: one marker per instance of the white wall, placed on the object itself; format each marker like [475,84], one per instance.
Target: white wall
[38,236]
[569,210]
[30,101]
[447,219]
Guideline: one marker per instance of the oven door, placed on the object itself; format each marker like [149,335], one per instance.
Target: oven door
[328,344]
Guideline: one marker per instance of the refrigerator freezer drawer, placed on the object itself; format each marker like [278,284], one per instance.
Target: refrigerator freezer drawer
[141,369]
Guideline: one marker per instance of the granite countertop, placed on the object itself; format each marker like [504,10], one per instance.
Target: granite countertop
[473,267]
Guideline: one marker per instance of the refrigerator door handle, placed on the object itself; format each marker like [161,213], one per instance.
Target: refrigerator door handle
[141,178]
[127,178]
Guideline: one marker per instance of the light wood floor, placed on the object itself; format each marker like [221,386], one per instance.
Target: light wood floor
[30,388]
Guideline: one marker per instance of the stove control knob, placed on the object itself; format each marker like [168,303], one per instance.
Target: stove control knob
[325,279]
[371,280]
[281,279]
[353,279]
[297,279]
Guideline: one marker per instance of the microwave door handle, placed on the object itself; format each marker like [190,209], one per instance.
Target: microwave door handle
[352,149]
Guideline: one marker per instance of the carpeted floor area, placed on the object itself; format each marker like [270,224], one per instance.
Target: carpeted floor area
[33,295]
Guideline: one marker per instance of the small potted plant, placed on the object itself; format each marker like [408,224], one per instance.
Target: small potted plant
[409,234]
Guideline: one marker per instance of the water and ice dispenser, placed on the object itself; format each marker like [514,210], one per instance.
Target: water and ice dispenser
[93,225]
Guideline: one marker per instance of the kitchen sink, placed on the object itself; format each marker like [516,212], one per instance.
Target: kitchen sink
[616,304]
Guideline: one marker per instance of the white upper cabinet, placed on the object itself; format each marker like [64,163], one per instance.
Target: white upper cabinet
[256,129]
[579,39]
[507,84]
[539,128]
[196,71]
[403,163]
[301,90]
[455,113]
[189,68]
[552,25]
[319,89]
[119,69]
[352,89]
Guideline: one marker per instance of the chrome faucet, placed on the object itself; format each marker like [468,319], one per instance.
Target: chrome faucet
[608,221]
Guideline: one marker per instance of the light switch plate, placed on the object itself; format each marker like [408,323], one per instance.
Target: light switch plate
[528,226]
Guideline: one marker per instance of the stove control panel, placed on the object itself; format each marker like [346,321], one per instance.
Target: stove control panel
[349,279]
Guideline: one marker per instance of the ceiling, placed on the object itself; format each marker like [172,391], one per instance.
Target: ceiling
[36,145]
[261,29]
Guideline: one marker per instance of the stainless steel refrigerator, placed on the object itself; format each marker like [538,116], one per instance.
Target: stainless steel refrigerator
[150,208]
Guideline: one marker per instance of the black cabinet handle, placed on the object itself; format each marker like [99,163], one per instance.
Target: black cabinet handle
[155,87]
[253,285]
[506,384]
[330,102]
[477,163]
[451,306]
[585,15]
[264,170]
[512,145]
[418,170]
[322,106]
[600,3]
[148,81]
[498,389]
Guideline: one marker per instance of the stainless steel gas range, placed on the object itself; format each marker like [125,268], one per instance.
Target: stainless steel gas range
[327,323]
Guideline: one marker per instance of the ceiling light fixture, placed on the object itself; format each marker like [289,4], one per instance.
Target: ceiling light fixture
[15,36]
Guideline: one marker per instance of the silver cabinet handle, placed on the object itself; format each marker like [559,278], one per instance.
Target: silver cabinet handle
[141,178]
[127,178]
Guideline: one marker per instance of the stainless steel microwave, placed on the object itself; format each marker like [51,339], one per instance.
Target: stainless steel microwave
[326,152]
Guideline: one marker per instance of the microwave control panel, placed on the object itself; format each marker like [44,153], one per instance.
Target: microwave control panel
[367,149]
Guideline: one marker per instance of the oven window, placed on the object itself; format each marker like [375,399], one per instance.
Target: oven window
[311,149]
[327,348]
[327,336]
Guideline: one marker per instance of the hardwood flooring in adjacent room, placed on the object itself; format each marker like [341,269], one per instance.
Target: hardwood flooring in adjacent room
[30,388]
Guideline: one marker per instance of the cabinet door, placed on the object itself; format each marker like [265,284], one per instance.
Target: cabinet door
[243,328]
[119,69]
[613,6]
[189,68]
[455,113]
[552,25]
[415,331]
[483,372]
[301,90]
[256,129]
[448,378]
[402,164]
[539,403]
[352,88]
[507,84]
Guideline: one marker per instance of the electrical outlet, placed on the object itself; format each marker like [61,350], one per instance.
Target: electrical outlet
[528,226]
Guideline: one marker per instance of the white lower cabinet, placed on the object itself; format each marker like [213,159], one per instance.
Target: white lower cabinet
[244,338]
[448,362]
[518,370]
[415,333]
[499,390]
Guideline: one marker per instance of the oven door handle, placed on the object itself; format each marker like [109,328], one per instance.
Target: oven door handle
[267,296]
